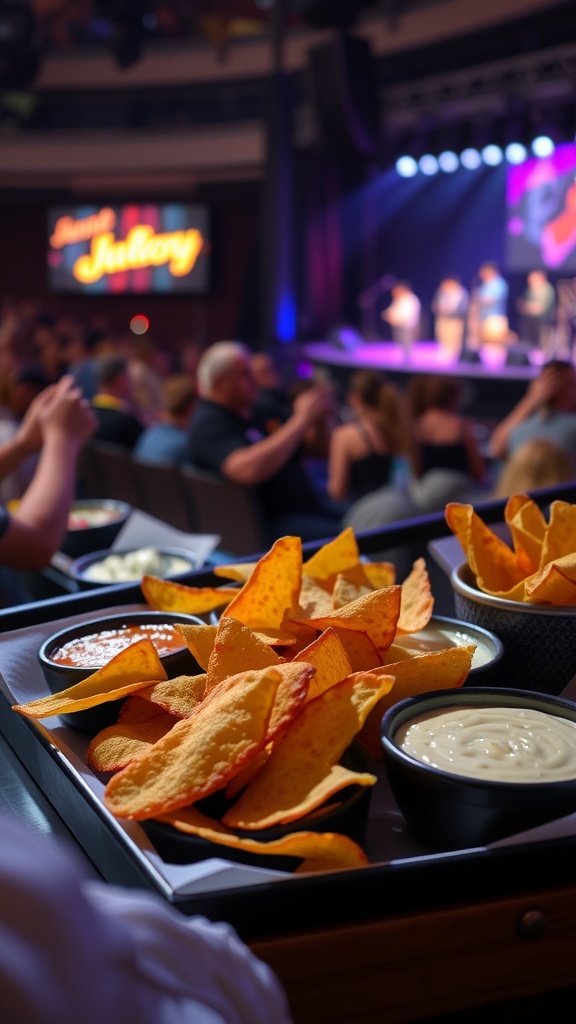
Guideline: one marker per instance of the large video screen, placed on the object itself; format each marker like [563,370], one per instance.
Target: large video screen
[541,212]
[148,248]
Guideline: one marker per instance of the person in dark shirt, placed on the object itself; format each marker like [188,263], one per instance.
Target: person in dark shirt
[225,437]
[117,423]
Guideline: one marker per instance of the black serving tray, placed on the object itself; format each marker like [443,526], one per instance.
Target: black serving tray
[414,880]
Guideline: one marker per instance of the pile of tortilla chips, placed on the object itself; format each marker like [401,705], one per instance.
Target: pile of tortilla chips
[301,662]
[539,567]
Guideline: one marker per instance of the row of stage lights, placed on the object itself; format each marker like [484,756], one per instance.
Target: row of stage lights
[471,158]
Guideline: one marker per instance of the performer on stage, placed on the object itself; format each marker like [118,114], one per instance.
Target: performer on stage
[488,321]
[403,315]
[450,306]
[537,308]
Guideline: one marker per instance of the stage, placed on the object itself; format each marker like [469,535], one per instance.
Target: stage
[491,386]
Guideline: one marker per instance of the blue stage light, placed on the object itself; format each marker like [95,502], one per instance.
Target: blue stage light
[515,153]
[470,158]
[448,161]
[428,164]
[406,166]
[492,155]
[542,145]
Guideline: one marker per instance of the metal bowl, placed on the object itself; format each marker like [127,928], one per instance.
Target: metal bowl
[98,536]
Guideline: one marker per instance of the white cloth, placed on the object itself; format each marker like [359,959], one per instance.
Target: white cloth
[73,951]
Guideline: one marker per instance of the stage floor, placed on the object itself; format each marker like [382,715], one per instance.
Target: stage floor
[424,357]
[490,387]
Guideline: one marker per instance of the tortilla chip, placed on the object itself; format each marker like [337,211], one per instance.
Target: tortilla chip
[490,559]
[240,571]
[199,640]
[416,603]
[302,770]
[200,753]
[178,696]
[321,851]
[435,670]
[313,599]
[130,670]
[560,539]
[555,584]
[169,596]
[527,528]
[329,659]
[375,614]
[115,747]
[361,651]
[346,590]
[334,557]
[272,591]
[235,648]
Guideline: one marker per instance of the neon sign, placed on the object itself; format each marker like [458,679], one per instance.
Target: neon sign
[125,248]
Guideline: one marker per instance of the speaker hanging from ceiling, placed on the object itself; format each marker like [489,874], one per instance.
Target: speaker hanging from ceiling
[344,95]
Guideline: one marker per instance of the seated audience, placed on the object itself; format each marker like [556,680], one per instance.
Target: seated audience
[167,439]
[56,425]
[225,437]
[27,385]
[443,437]
[363,451]
[148,365]
[547,410]
[537,463]
[112,403]
[76,949]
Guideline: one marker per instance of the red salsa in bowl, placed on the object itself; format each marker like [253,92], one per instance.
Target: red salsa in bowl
[95,649]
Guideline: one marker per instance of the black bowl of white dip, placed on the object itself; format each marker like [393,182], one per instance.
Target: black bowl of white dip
[470,766]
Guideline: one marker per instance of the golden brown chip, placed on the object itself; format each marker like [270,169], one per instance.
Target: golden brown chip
[361,651]
[199,641]
[115,747]
[493,563]
[555,584]
[236,647]
[240,571]
[334,557]
[302,770]
[375,614]
[271,592]
[169,596]
[346,590]
[178,696]
[329,659]
[416,603]
[130,670]
[527,529]
[435,670]
[200,753]
[313,599]
[560,538]
[320,851]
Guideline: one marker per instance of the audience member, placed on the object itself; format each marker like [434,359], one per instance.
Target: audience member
[148,365]
[29,383]
[403,314]
[167,439]
[112,403]
[537,308]
[273,404]
[225,437]
[75,949]
[547,410]
[363,451]
[450,309]
[535,464]
[443,437]
[57,424]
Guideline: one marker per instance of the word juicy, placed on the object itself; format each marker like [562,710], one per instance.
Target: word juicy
[141,248]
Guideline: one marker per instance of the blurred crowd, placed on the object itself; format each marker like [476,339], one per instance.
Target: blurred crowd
[317,455]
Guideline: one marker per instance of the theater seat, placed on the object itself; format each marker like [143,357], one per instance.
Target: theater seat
[227,509]
[114,472]
[163,494]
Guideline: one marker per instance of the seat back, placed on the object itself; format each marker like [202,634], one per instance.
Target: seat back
[115,472]
[163,494]
[227,509]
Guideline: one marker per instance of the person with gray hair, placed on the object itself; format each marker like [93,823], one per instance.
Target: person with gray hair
[226,437]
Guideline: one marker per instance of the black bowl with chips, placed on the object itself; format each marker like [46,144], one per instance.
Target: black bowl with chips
[58,676]
[346,813]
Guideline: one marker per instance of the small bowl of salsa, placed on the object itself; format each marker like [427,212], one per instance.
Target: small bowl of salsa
[72,654]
